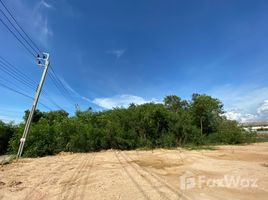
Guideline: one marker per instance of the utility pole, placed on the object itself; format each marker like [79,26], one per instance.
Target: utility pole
[44,62]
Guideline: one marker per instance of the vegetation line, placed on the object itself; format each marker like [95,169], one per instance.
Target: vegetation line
[174,123]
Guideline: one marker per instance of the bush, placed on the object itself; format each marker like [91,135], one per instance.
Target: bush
[6,133]
[168,140]
[230,133]
[41,140]
[177,122]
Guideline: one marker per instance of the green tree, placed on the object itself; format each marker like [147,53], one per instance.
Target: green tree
[176,122]
[174,103]
[206,111]
[55,116]
[6,132]
[36,116]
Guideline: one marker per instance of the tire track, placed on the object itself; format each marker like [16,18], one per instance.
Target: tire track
[175,191]
[67,188]
[31,194]
[132,179]
[146,178]
[87,176]
[80,173]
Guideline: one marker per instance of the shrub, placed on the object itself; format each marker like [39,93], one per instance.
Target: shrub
[6,133]
[177,122]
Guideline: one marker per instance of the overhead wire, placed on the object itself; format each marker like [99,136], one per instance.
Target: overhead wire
[18,31]
[52,101]
[19,76]
[23,94]
[56,79]
[18,71]
[17,87]
[34,44]
[55,83]
[10,83]
[15,76]
[60,87]
[27,49]
[60,82]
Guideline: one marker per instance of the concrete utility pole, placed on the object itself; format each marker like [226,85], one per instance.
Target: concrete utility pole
[44,62]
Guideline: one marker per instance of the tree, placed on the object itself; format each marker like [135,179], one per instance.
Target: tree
[6,132]
[36,116]
[174,103]
[206,111]
[176,122]
[54,116]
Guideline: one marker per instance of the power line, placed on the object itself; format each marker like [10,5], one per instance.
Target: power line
[58,79]
[22,78]
[11,83]
[16,77]
[52,101]
[23,94]
[27,49]
[20,73]
[58,84]
[59,89]
[19,76]
[34,44]
[13,75]
[18,31]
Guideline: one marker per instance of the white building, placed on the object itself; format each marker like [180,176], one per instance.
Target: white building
[259,127]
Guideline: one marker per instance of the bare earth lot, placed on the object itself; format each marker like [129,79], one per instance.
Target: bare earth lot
[140,175]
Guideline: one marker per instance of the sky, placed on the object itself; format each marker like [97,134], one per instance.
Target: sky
[110,53]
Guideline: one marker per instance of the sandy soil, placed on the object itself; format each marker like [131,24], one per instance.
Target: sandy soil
[153,175]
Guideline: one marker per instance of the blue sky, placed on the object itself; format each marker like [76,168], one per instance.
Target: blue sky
[112,52]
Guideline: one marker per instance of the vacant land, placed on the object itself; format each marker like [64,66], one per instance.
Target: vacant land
[140,175]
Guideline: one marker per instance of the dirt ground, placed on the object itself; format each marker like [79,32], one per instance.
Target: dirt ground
[158,174]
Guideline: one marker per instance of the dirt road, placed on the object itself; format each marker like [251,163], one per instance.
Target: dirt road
[158,174]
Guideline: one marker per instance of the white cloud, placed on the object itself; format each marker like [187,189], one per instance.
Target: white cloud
[263,108]
[86,99]
[45,30]
[118,53]
[121,101]
[41,23]
[45,4]
[244,103]
[68,86]
[34,19]
[244,97]
[240,116]
[73,91]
